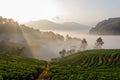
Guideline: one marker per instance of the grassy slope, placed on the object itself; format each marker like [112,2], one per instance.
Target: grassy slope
[19,68]
[88,65]
[80,57]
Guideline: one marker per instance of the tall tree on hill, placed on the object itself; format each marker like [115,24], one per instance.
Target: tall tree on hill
[83,44]
[98,44]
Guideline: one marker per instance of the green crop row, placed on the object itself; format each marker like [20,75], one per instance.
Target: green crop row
[13,67]
[87,65]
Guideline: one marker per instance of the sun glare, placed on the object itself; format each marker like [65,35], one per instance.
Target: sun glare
[25,10]
[50,10]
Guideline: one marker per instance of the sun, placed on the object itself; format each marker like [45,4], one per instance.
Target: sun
[50,10]
[26,10]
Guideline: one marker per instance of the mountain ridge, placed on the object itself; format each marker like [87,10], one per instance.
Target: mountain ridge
[110,26]
[50,25]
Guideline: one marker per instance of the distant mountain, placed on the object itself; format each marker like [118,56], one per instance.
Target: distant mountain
[49,25]
[42,24]
[74,26]
[107,27]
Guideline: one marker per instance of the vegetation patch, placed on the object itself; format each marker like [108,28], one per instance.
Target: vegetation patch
[87,65]
[14,67]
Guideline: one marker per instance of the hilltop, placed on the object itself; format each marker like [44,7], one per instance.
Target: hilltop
[107,27]
[49,25]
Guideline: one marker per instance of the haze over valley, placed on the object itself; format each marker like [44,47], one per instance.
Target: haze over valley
[47,42]
[60,40]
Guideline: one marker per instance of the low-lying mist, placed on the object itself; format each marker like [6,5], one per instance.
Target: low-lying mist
[47,44]
[47,49]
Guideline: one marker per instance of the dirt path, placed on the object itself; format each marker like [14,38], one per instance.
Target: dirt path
[44,74]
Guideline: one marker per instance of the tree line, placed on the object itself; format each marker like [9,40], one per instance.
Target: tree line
[97,45]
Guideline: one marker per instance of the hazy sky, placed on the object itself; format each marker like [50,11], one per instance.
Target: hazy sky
[83,11]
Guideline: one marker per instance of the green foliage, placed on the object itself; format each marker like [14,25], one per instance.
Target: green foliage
[88,65]
[13,67]
[98,44]
[8,26]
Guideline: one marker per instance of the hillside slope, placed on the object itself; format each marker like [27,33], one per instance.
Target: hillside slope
[33,41]
[88,65]
[88,57]
[107,27]
[14,67]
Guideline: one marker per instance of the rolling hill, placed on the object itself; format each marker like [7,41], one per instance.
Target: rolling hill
[88,65]
[14,67]
[49,25]
[107,27]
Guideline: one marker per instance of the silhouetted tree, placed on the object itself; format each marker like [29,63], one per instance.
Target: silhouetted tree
[71,51]
[83,44]
[62,53]
[98,44]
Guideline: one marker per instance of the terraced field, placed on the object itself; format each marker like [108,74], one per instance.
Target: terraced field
[14,67]
[88,65]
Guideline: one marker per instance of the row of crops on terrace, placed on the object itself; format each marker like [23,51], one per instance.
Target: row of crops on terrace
[88,65]
[13,67]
